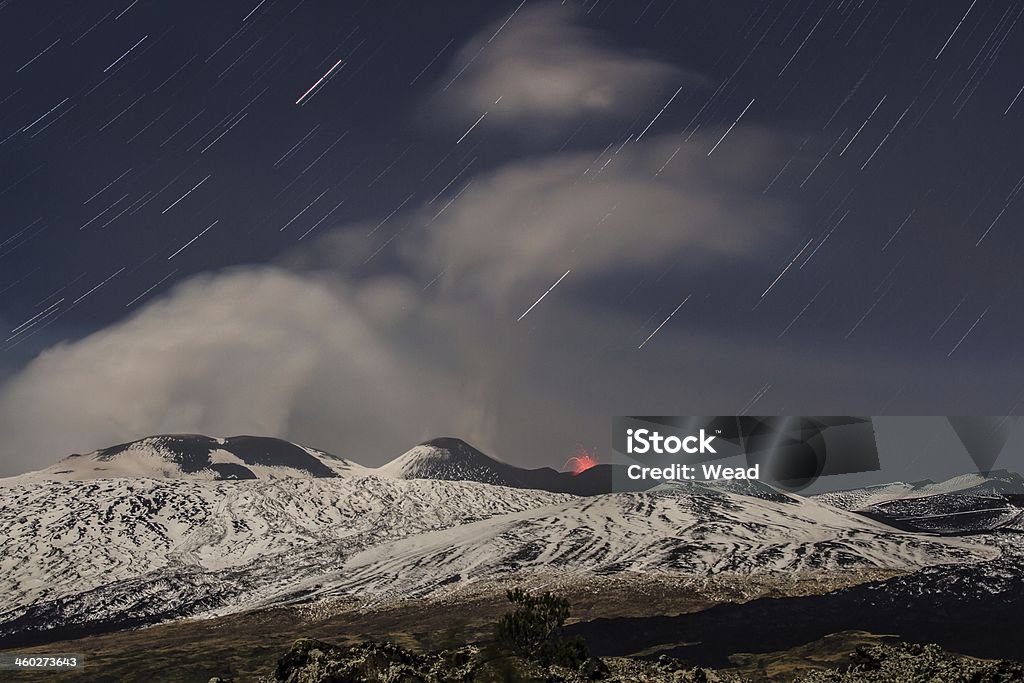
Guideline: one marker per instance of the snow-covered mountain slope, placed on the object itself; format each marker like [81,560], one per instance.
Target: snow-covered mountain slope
[102,554]
[128,552]
[856,499]
[970,503]
[450,459]
[99,553]
[700,529]
[997,481]
[193,456]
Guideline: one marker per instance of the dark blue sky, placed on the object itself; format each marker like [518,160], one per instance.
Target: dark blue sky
[146,142]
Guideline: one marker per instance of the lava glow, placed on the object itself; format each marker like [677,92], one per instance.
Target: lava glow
[581,462]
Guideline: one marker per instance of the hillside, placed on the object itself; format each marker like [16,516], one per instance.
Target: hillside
[85,556]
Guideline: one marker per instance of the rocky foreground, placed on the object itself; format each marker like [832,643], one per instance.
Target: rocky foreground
[313,661]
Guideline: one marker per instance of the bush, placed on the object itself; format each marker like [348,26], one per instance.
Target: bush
[533,630]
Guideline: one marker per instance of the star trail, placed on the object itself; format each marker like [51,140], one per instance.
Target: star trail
[838,180]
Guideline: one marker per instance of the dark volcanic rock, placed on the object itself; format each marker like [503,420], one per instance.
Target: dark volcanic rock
[594,669]
[449,458]
[912,663]
[313,661]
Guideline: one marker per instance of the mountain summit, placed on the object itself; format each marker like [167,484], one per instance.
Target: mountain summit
[452,459]
[193,456]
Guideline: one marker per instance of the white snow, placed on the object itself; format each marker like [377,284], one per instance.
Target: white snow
[869,496]
[149,548]
[101,537]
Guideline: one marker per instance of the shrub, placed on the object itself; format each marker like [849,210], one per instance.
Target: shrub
[533,630]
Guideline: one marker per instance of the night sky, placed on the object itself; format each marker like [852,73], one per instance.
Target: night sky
[358,225]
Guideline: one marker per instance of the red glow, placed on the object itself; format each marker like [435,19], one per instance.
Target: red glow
[581,462]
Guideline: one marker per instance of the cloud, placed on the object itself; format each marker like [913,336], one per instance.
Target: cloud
[247,351]
[366,363]
[634,207]
[547,70]
[366,368]
[366,345]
